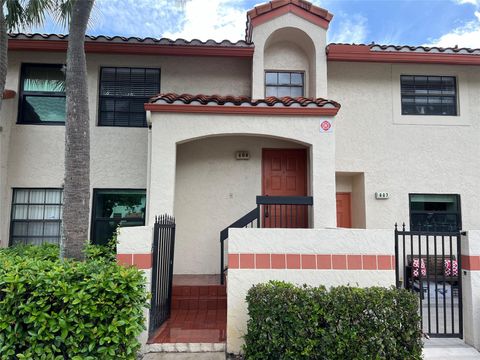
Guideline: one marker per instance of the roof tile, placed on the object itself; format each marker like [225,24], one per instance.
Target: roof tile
[187,99]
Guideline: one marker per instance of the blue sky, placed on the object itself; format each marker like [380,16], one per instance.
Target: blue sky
[412,22]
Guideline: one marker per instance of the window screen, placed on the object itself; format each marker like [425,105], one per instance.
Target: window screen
[435,212]
[36,216]
[280,84]
[42,94]
[428,95]
[123,92]
[116,207]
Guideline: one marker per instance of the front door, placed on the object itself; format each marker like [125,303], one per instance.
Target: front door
[344,210]
[284,174]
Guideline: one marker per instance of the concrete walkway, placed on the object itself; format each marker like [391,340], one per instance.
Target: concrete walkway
[448,349]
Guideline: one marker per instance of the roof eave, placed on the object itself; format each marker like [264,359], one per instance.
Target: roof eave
[133,48]
[242,110]
[363,53]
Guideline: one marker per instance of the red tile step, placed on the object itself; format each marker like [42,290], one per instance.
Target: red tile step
[202,297]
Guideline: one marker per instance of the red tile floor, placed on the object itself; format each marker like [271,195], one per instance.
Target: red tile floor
[199,311]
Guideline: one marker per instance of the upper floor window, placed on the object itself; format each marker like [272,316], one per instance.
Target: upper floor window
[42,94]
[123,92]
[284,83]
[428,95]
[36,216]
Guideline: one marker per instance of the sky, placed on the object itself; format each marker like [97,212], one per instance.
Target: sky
[401,22]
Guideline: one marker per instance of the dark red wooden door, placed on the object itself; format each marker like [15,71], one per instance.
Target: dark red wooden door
[285,174]
[344,210]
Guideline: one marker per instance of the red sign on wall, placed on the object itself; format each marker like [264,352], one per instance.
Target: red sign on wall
[326,126]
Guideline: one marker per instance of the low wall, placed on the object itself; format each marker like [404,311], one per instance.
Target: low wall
[315,257]
[471,287]
[134,247]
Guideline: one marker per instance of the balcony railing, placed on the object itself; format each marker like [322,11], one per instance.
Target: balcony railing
[271,212]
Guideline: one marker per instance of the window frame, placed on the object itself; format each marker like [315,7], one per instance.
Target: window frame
[23,93]
[427,75]
[302,72]
[100,96]
[458,213]
[13,203]
[93,222]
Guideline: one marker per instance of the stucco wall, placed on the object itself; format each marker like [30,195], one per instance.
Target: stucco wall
[249,246]
[212,190]
[34,153]
[169,130]
[400,158]
[311,38]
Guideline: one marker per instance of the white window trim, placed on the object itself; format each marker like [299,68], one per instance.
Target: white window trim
[463,106]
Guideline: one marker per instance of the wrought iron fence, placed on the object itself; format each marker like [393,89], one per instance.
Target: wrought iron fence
[162,270]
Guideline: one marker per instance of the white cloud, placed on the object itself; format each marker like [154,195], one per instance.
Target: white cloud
[212,19]
[473,2]
[351,30]
[467,35]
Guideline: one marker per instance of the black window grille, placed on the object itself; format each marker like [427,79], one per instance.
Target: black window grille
[123,92]
[428,95]
[36,216]
[284,83]
[113,208]
[435,212]
[42,94]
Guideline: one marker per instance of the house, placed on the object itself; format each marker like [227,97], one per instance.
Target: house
[363,136]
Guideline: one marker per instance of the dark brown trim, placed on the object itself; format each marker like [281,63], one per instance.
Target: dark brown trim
[131,48]
[294,9]
[8,94]
[362,53]
[253,110]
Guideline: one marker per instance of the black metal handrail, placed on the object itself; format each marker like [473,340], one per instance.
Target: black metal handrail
[271,212]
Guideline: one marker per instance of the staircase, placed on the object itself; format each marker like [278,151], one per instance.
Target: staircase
[199,297]
[198,316]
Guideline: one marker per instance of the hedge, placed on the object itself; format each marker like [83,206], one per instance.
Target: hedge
[290,322]
[68,310]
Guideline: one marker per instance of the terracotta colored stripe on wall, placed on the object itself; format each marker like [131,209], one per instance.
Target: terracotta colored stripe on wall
[141,261]
[471,263]
[311,261]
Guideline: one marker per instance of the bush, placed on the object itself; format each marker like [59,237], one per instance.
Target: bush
[68,310]
[290,322]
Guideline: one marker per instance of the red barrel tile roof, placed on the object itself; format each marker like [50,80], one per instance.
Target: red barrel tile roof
[200,99]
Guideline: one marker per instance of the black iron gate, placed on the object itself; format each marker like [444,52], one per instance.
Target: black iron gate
[162,270]
[429,264]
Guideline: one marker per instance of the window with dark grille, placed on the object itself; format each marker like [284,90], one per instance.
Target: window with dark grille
[116,207]
[36,216]
[283,83]
[123,92]
[42,94]
[435,212]
[429,95]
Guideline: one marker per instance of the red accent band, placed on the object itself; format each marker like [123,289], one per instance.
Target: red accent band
[312,261]
[304,14]
[362,53]
[141,261]
[8,94]
[254,110]
[471,262]
[137,49]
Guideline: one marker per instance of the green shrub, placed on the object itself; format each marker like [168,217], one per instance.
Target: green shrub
[290,322]
[68,310]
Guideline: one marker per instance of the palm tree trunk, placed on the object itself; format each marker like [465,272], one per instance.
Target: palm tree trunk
[3,52]
[77,137]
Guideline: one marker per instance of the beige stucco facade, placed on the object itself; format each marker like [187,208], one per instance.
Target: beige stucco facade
[186,161]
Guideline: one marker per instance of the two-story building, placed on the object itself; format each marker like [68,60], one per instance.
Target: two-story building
[373,134]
